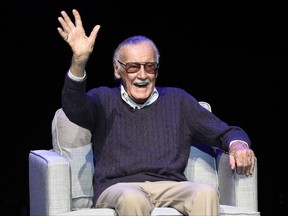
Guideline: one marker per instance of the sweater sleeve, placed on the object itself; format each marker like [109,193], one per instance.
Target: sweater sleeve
[210,129]
[76,103]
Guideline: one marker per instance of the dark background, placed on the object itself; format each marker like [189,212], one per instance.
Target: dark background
[232,55]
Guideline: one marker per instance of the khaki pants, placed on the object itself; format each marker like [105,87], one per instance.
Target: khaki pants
[139,198]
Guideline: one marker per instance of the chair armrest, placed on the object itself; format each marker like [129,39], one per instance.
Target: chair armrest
[49,183]
[235,189]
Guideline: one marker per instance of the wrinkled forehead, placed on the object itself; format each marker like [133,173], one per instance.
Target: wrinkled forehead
[141,52]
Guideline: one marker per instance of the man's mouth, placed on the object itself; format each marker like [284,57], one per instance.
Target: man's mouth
[141,84]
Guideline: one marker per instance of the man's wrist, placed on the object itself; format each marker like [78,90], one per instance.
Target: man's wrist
[75,78]
[238,144]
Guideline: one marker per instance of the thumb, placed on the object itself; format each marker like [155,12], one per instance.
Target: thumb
[94,32]
[232,161]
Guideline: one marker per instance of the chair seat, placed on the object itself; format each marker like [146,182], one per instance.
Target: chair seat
[165,211]
[90,212]
[225,210]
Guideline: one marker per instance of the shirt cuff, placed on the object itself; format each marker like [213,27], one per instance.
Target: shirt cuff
[245,143]
[79,79]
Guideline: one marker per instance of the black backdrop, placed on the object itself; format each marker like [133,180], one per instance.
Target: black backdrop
[234,56]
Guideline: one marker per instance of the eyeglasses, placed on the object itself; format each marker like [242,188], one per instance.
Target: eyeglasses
[133,67]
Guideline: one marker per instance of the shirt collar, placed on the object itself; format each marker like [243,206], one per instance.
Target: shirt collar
[153,97]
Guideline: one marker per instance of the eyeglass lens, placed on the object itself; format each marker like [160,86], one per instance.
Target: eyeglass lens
[133,67]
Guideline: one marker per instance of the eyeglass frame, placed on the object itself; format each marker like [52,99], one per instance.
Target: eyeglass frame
[144,64]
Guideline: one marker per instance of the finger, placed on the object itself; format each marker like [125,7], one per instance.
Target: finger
[68,24]
[65,27]
[249,163]
[239,163]
[251,171]
[247,166]
[232,161]
[94,32]
[239,167]
[61,32]
[252,165]
[77,17]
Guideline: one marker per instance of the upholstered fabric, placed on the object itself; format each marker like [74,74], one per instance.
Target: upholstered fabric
[235,188]
[90,212]
[226,210]
[110,212]
[74,143]
[49,183]
[199,160]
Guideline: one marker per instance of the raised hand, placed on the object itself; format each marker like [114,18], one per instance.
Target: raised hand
[74,34]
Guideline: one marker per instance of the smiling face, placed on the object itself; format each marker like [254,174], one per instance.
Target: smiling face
[138,85]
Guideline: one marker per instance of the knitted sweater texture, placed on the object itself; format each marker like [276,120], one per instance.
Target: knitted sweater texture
[148,144]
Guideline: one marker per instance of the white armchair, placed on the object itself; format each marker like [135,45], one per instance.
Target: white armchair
[60,179]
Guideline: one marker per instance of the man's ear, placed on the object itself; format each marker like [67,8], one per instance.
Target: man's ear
[156,75]
[116,71]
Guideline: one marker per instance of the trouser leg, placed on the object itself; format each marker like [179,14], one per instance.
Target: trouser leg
[128,199]
[193,199]
[133,199]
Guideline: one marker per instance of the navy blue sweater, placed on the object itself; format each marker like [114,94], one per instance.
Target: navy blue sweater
[148,144]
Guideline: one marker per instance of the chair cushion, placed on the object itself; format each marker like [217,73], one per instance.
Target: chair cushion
[91,212]
[165,211]
[226,210]
[74,143]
